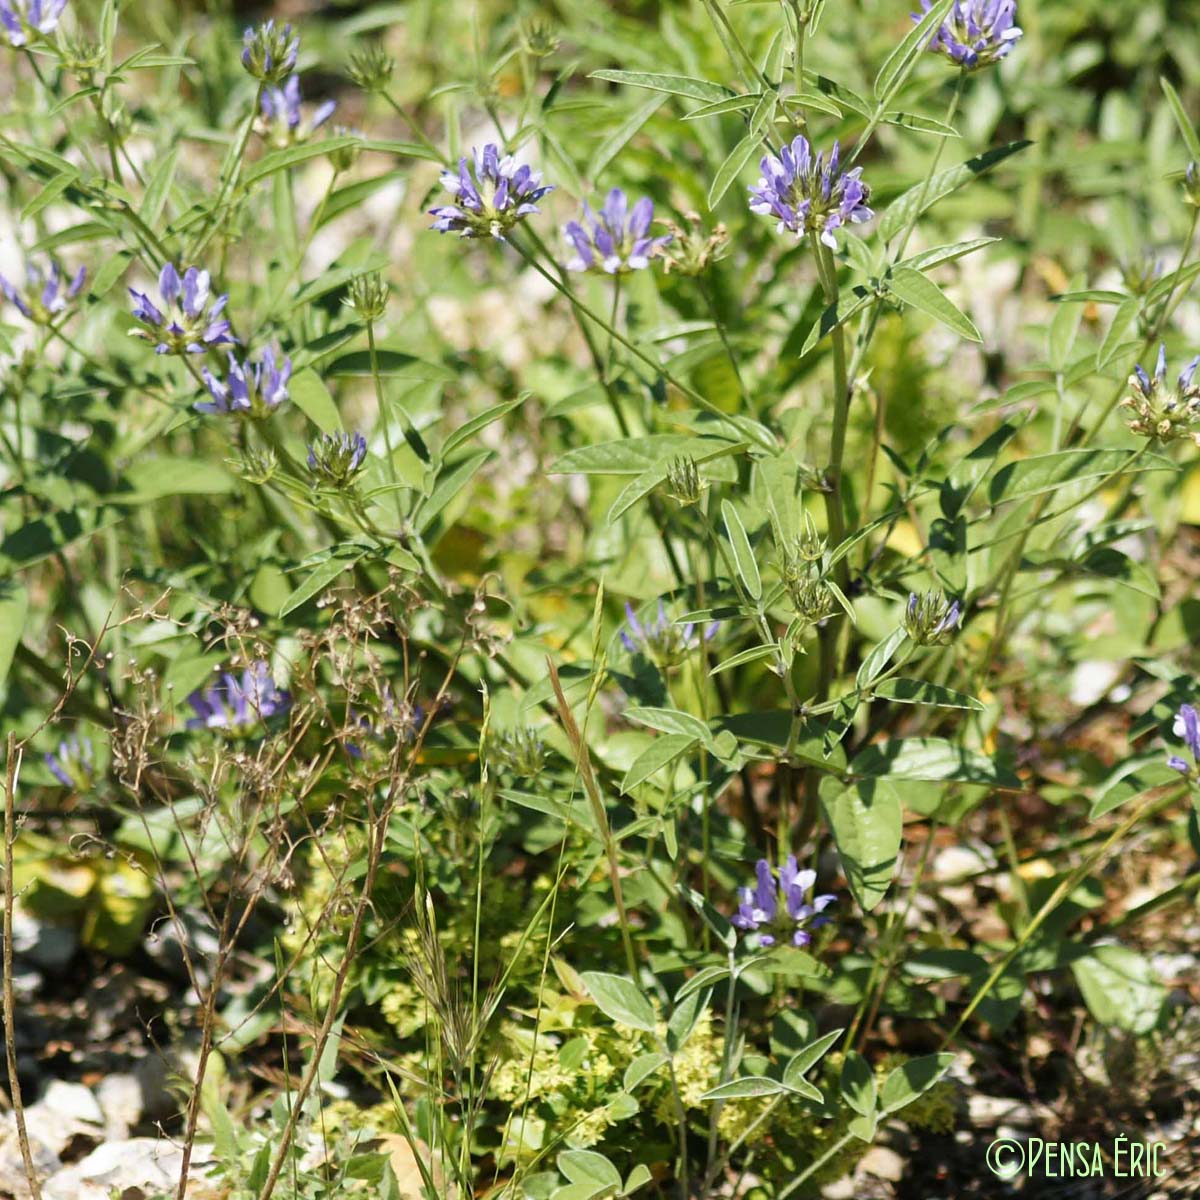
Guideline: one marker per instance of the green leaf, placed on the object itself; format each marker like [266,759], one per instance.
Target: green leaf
[1120,988]
[858,1083]
[676,85]
[390,362]
[620,137]
[897,66]
[1123,318]
[159,188]
[848,305]
[923,294]
[586,1166]
[867,824]
[1049,472]
[658,754]
[14,607]
[743,554]
[153,479]
[917,691]
[931,759]
[1130,784]
[319,579]
[670,720]
[312,398]
[1186,128]
[465,432]
[804,1060]
[641,1068]
[917,199]
[746,1088]
[911,1079]
[703,978]
[292,156]
[621,1000]
[637,1178]
[879,656]
[732,167]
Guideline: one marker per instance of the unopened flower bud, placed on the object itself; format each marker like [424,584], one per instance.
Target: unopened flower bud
[368,296]
[683,481]
[372,68]
[930,619]
[269,52]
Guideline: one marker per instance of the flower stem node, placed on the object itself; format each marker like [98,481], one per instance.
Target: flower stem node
[683,481]
[372,68]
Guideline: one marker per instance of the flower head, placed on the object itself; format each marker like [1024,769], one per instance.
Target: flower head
[760,911]
[239,706]
[25,21]
[44,296]
[662,640]
[282,122]
[930,619]
[402,721]
[269,52]
[372,68]
[976,33]
[1187,726]
[255,389]
[806,194]
[617,239]
[73,765]
[335,458]
[1160,411]
[490,199]
[181,326]
[1191,185]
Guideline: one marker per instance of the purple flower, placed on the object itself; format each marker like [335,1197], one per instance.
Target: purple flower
[283,121]
[25,21]
[1162,412]
[239,706]
[492,200]
[269,54]
[807,195]
[181,326]
[662,640]
[1187,726]
[256,389]
[759,909]
[73,765]
[335,458]
[976,33]
[618,239]
[44,297]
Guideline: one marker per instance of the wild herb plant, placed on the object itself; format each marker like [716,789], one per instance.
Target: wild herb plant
[557,651]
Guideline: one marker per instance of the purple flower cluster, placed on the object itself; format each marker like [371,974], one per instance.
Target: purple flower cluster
[492,198]
[255,389]
[976,33]
[181,326]
[24,21]
[1187,726]
[239,706]
[806,194]
[760,911]
[930,619]
[616,239]
[44,297]
[662,640]
[73,765]
[283,121]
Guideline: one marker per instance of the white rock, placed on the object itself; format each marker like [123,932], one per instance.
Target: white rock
[71,1101]
[41,943]
[150,1164]
[985,1112]
[883,1164]
[120,1098]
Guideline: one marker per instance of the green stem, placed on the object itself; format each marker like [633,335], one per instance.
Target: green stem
[384,421]
[230,182]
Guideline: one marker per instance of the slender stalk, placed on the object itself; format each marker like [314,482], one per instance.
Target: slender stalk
[230,182]
[385,421]
[11,770]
